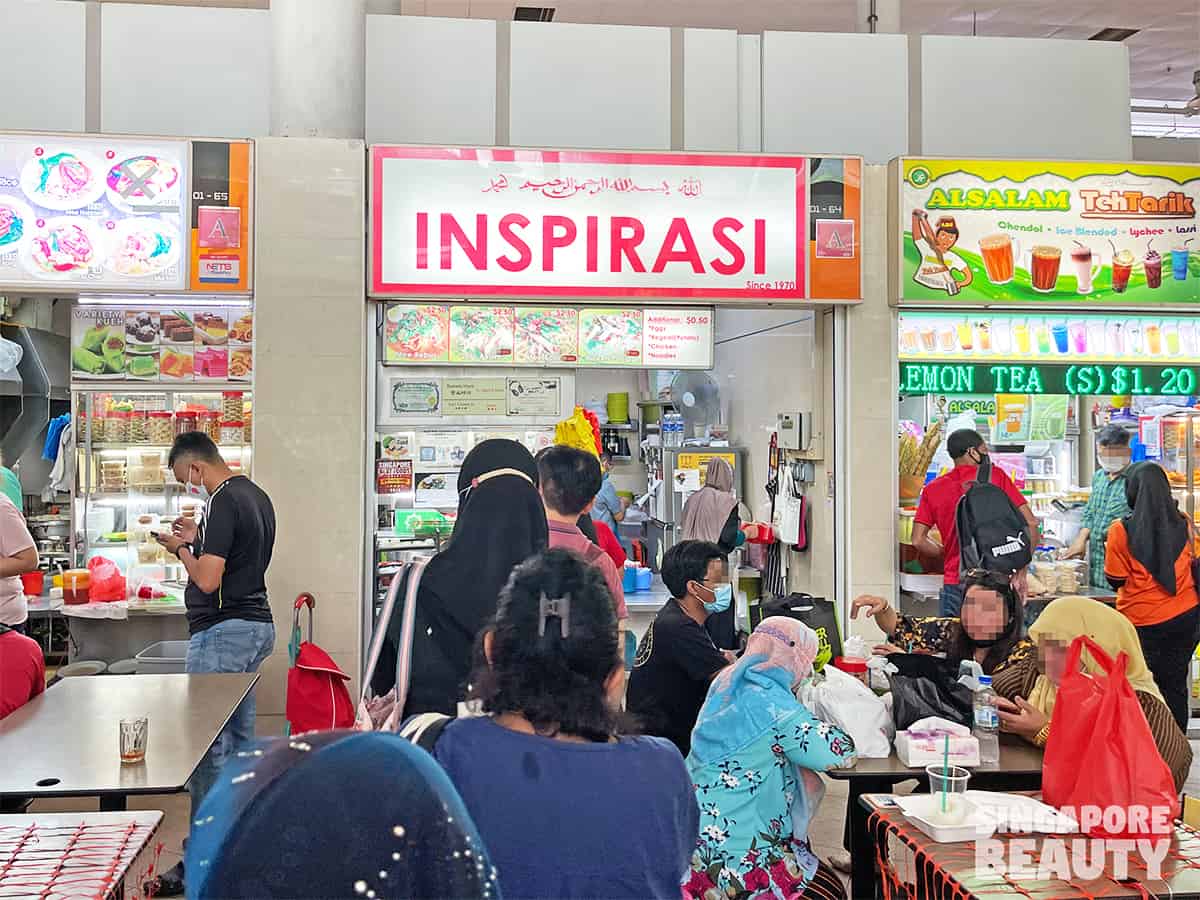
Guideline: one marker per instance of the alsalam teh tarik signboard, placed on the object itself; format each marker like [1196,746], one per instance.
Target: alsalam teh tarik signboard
[982,231]
[545,224]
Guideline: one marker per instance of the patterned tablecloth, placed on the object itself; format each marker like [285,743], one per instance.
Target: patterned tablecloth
[912,865]
[74,855]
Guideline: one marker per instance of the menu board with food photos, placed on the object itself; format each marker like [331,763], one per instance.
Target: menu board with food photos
[93,213]
[162,345]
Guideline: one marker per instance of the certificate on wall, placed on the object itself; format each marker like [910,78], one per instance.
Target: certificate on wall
[534,396]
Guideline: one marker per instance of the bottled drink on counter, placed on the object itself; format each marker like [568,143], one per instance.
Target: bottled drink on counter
[987,722]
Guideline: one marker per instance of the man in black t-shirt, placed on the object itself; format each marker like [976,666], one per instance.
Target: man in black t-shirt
[677,660]
[226,556]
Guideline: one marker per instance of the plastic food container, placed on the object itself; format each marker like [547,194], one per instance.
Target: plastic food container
[77,585]
[210,423]
[185,422]
[117,430]
[160,429]
[99,429]
[137,426]
[163,658]
[231,432]
[33,583]
[855,667]
[231,406]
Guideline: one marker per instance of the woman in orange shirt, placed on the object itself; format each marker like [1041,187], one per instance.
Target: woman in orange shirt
[1148,560]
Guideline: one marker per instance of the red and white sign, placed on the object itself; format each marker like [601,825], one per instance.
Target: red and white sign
[528,224]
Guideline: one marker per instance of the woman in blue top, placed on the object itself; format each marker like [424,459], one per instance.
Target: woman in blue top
[755,752]
[568,806]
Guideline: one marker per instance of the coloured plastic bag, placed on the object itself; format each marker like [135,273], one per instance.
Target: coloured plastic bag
[1098,719]
[579,432]
[108,584]
[925,686]
[842,700]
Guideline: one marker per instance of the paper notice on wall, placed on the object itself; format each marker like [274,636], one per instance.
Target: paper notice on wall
[443,448]
[393,476]
[473,397]
[678,338]
[534,396]
[437,490]
[414,397]
[686,481]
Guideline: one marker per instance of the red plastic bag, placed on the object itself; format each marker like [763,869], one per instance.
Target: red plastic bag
[108,584]
[1101,760]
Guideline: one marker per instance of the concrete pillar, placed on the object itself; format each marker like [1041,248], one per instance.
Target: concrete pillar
[318,72]
[887,14]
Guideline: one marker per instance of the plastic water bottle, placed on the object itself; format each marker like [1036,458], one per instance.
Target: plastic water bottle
[987,722]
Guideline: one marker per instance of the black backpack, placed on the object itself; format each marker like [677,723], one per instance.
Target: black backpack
[992,533]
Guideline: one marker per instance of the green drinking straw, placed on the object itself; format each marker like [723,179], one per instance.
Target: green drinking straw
[945,770]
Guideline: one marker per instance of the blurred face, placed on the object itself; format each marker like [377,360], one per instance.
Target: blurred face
[983,614]
[714,577]
[1114,459]
[1052,658]
[945,240]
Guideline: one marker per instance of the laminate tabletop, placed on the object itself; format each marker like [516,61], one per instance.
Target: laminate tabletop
[65,742]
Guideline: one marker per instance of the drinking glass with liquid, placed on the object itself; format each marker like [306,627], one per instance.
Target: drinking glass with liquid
[135,735]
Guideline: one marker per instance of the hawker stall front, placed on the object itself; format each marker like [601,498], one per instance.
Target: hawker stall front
[520,286]
[1049,306]
[133,255]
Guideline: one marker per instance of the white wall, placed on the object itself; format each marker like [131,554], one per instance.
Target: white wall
[835,93]
[42,43]
[431,81]
[749,93]
[1149,149]
[710,89]
[199,72]
[1024,98]
[603,86]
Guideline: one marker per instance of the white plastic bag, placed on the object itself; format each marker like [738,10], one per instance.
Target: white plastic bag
[842,700]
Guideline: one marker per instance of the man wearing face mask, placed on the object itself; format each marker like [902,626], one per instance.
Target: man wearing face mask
[226,557]
[939,507]
[1107,503]
[677,659]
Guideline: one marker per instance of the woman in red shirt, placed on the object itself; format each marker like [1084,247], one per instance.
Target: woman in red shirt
[1148,560]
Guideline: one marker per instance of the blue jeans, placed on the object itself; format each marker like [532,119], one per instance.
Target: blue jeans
[950,600]
[235,645]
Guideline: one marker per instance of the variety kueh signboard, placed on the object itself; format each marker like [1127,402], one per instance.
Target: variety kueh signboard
[541,224]
[979,231]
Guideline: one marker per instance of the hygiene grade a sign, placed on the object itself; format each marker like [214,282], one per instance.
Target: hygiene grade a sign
[978,231]
[541,224]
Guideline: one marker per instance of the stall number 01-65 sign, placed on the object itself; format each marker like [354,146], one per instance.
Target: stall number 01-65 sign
[1086,379]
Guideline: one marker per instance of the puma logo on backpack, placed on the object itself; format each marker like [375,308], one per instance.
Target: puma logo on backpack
[992,533]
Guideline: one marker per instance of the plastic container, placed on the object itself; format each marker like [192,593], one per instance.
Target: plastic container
[99,428]
[138,432]
[184,422]
[644,577]
[77,585]
[231,433]
[210,423]
[117,430]
[629,579]
[33,583]
[160,427]
[987,722]
[855,667]
[231,406]
[163,658]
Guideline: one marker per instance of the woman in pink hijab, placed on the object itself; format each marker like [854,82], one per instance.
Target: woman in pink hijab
[755,752]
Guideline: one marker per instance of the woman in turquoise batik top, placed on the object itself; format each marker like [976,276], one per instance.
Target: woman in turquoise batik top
[755,752]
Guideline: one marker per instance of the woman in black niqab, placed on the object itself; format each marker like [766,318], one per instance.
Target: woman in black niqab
[501,523]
